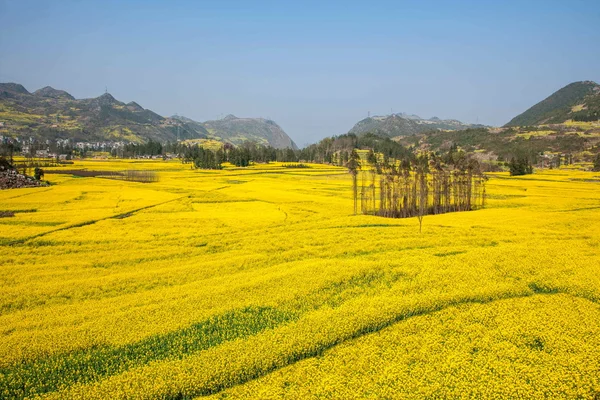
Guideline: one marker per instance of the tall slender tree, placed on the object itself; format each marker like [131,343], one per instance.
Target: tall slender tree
[353,167]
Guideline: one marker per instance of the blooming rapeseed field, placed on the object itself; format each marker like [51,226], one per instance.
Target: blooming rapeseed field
[260,283]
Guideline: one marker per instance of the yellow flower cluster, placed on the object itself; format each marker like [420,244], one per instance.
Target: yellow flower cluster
[542,346]
[260,283]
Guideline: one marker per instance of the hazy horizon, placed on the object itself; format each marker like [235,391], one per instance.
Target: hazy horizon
[314,69]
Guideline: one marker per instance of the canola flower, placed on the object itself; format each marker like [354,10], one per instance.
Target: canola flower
[542,346]
[259,282]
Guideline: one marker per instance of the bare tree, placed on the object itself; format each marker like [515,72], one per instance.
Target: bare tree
[421,181]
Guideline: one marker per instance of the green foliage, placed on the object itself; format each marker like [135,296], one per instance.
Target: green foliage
[324,151]
[591,112]
[240,157]
[520,166]
[467,139]
[506,143]
[38,173]
[51,114]
[151,148]
[207,159]
[353,162]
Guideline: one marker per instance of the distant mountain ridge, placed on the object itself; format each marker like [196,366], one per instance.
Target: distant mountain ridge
[259,130]
[49,113]
[401,124]
[579,101]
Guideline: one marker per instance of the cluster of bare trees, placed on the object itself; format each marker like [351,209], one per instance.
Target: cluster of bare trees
[29,165]
[139,176]
[128,175]
[416,187]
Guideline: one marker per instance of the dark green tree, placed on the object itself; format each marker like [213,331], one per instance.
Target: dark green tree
[520,166]
[38,173]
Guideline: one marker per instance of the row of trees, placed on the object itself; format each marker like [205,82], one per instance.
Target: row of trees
[417,185]
[207,159]
[241,156]
[150,148]
[335,150]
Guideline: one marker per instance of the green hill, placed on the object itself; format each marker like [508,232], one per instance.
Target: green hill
[578,101]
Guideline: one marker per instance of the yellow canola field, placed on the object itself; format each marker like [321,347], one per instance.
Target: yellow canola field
[260,283]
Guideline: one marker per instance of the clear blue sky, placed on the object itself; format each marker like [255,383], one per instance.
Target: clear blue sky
[316,68]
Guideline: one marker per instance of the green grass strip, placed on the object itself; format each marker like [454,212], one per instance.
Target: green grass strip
[49,374]
[52,373]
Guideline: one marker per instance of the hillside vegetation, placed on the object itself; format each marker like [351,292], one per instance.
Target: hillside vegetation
[580,139]
[55,114]
[567,122]
[260,283]
[578,101]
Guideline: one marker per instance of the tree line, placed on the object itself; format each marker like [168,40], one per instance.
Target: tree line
[240,156]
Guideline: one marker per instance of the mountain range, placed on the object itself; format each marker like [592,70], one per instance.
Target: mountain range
[565,121]
[49,113]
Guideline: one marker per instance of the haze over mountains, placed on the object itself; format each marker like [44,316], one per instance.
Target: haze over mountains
[578,101]
[49,113]
[566,122]
[238,130]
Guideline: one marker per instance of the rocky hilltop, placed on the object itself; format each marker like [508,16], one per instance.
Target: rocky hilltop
[395,125]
